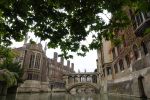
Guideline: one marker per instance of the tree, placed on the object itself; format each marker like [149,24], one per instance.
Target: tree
[65,23]
[12,71]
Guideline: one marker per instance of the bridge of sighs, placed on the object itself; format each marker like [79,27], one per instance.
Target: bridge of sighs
[82,81]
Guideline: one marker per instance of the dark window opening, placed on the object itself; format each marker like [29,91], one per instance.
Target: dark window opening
[104,72]
[29,77]
[121,65]
[109,71]
[136,54]
[116,68]
[127,60]
[144,48]
[31,64]
[113,52]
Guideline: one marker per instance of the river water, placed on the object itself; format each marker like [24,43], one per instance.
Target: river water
[64,96]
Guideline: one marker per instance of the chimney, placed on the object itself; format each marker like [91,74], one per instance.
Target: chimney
[62,61]
[55,56]
[68,63]
[72,66]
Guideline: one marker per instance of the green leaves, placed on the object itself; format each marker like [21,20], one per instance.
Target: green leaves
[13,71]
[65,23]
[8,77]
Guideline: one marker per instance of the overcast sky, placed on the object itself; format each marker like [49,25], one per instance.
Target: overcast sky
[88,62]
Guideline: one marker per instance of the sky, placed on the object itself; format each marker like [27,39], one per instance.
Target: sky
[87,63]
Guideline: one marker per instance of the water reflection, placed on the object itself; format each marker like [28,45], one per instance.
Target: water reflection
[63,96]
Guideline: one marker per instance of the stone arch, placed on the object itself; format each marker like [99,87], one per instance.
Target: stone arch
[92,85]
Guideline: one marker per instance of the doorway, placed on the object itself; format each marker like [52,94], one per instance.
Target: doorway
[141,87]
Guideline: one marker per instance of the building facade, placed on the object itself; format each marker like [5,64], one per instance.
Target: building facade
[39,70]
[125,68]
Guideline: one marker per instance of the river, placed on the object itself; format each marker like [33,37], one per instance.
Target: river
[64,96]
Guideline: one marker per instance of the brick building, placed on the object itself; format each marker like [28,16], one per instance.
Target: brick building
[39,70]
[125,68]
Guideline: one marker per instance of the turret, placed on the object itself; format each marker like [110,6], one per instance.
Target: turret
[55,57]
[72,66]
[68,63]
[62,61]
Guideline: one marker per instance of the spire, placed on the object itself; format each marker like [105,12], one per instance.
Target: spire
[45,48]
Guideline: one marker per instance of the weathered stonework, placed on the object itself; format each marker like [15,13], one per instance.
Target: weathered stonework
[129,71]
[40,72]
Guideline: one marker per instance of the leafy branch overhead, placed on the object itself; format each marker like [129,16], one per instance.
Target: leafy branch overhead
[66,23]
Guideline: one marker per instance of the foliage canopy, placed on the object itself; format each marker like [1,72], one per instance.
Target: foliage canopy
[65,23]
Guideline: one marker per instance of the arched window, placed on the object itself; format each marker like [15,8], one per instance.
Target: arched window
[32,57]
[136,53]
[144,48]
[38,60]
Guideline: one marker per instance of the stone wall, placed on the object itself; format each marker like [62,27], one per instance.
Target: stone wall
[130,85]
[124,87]
[30,86]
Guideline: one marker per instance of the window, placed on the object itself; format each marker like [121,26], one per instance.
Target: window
[121,65]
[127,60]
[29,76]
[113,52]
[139,18]
[109,71]
[37,62]
[104,72]
[144,48]
[31,64]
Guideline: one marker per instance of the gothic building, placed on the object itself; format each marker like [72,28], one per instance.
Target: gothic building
[39,70]
[125,68]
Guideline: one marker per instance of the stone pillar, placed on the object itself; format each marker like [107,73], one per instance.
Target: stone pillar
[55,57]
[116,51]
[62,61]
[68,64]
[125,64]
[139,52]
[86,78]
[91,78]
[98,80]
[72,66]
[74,79]
[78,78]
[66,78]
